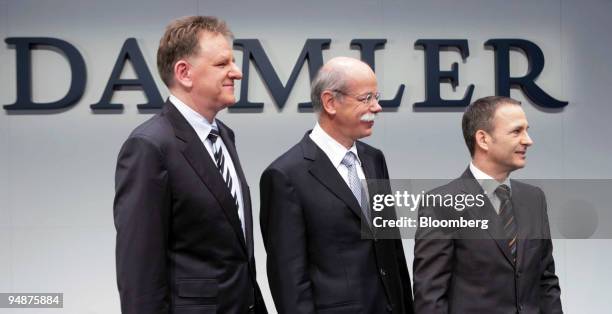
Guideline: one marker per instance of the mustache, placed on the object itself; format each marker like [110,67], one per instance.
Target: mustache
[368,117]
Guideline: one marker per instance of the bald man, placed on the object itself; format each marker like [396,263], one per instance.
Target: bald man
[322,256]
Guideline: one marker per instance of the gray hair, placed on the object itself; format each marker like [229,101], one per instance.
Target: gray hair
[328,78]
[479,116]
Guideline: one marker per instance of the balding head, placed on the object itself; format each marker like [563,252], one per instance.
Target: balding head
[347,64]
[336,76]
[345,94]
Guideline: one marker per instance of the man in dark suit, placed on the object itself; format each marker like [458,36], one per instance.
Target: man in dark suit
[182,205]
[509,267]
[313,208]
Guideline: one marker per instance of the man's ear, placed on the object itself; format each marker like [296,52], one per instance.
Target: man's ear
[329,102]
[483,139]
[182,73]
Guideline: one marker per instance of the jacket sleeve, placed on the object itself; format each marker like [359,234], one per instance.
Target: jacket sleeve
[549,282]
[399,248]
[141,208]
[432,267]
[284,234]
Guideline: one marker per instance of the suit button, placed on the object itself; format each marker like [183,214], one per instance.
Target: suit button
[383,272]
[389,308]
[251,308]
[520,307]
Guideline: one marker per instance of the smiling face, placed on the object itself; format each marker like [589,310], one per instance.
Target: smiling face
[213,72]
[350,107]
[354,118]
[509,140]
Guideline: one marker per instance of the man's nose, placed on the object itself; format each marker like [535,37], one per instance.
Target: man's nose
[526,140]
[376,108]
[235,72]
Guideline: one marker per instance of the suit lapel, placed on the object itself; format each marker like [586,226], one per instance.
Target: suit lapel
[197,156]
[323,170]
[369,170]
[495,230]
[521,215]
[367,162]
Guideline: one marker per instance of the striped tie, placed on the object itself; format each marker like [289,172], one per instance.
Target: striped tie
[350,161]
[507,216]
[221,164]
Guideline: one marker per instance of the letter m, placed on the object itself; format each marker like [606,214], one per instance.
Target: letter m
[252,51]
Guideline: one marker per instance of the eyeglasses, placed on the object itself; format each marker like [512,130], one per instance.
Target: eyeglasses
[365,99]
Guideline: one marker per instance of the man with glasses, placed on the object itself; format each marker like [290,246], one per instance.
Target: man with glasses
[322,255]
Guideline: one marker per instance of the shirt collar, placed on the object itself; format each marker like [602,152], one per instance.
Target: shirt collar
[196,120]
[334,150]
[488,184]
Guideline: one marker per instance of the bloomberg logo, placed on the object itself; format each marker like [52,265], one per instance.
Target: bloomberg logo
[253,52]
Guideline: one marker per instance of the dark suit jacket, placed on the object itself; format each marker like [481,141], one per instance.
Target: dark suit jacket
[180,247]
[469,270]
[311,223]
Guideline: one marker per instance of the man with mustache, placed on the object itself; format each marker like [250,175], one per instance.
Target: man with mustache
[509,267]
[182,206]
[314,208]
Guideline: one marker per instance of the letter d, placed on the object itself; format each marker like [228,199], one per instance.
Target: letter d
[23,47]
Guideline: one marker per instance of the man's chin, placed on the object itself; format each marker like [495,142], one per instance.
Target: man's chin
[229,102]
[366,133]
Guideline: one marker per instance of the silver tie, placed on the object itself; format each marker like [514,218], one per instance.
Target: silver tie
[350,162]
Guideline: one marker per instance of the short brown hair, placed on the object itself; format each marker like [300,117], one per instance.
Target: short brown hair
[181,40]
[479,116]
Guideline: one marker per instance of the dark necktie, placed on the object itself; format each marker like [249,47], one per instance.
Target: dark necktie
[221,164]
[506,214]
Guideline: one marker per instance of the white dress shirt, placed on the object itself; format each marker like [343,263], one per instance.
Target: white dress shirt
[489,185]
[202,128]
[336,152]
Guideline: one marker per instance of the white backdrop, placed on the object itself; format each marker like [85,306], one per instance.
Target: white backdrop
[57,169]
